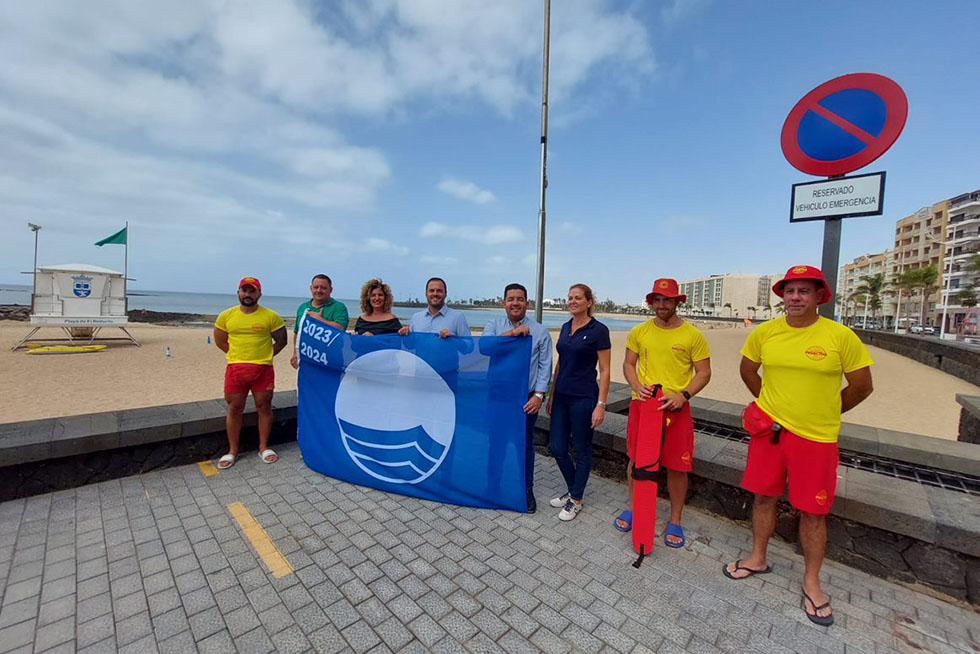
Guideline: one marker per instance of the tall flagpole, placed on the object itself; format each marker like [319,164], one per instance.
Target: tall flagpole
[126,272]
[539,296]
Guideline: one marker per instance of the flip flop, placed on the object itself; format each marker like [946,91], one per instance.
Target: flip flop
[268,456]
[739,566]
[822,620]
[226,461]
[625,516]
[674,529]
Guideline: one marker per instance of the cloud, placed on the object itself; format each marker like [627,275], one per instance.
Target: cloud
[381,245]
[465,191]
[570,227]
[213,125]
[498,260]
[492,235]
[441,261]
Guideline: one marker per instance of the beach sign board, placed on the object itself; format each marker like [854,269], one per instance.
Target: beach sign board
[844,124]
[841,197]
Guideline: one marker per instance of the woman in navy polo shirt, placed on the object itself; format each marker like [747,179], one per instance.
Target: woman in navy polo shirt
[577,404]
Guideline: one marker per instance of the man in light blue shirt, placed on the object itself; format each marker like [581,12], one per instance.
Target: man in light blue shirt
[516,323]
[437,318]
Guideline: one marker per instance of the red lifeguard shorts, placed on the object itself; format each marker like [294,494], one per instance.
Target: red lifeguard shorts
[245,377]
[677,451]
[810,466]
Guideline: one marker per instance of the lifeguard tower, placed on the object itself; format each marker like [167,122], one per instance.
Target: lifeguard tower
[81,300]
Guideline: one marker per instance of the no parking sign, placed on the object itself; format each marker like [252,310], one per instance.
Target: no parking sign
[840,126]
[844,124]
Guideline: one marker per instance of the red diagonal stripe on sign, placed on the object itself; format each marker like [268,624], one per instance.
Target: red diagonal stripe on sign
[845,125]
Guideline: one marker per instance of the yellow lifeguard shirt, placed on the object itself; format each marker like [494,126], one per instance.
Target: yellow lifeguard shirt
[249,334]
[667,356]
[802,369]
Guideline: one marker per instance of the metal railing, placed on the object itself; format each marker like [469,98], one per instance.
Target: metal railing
[913,472]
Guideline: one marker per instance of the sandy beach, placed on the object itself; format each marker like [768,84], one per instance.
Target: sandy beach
[123,377]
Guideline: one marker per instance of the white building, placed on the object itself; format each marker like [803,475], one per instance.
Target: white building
[732,295]
[962,244]
[850,306]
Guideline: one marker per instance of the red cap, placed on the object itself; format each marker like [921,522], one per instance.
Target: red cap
[666,287]
[251,281]
[804,272]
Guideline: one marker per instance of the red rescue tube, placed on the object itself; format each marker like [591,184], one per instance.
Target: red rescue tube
[649,431]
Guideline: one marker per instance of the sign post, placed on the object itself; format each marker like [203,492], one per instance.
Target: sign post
[840,126]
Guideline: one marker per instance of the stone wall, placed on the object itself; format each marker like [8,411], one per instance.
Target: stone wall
[46,476]
[15,312]
[969,430]
[958,360]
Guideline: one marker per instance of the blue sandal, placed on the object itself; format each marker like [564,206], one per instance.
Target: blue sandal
[627,517]
[674,530]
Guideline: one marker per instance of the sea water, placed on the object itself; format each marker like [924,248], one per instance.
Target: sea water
[215,303]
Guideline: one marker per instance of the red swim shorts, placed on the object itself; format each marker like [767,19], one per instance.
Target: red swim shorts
[677,451]
[811,467]
[245,377]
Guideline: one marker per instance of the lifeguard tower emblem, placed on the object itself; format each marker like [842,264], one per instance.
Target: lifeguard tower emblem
[82,286]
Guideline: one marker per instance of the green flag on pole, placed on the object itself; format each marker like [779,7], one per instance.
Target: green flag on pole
[119,238]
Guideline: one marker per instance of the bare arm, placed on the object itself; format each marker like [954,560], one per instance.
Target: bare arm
[294,360]
[858,388]
[599,413]
[604,359]
[749,370]
[221,339]
[279,340]
[629,372]
[702,375]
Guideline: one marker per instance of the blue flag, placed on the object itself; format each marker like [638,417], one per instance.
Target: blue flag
[437,418]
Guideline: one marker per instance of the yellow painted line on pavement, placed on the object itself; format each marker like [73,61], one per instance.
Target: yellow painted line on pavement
[208,469]
[266,549]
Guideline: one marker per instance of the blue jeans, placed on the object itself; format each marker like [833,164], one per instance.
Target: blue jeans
[572,416]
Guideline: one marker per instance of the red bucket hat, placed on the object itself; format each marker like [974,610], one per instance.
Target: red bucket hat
[666,287]
[804,272]
[250,281]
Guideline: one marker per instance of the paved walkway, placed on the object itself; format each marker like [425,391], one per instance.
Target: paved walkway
[160,563]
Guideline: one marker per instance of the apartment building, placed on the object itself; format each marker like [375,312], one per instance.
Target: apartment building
[919,243]
[962,244]
[850,278]
[748,295]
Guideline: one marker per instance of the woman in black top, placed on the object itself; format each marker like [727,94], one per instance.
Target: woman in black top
[577,404]
[376,307]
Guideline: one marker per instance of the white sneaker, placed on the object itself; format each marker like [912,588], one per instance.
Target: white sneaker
[570,510]
[559,502]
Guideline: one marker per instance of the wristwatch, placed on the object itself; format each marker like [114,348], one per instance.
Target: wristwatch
[601,403]
[539,395]
[687,396]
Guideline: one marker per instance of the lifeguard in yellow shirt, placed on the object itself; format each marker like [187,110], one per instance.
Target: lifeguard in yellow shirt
[669,351]
[795,422]
[249,335]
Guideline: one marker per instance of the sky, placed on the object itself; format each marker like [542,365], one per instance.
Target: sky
[401,138]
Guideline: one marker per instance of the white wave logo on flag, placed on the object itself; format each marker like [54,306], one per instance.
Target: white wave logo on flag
[397,416]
